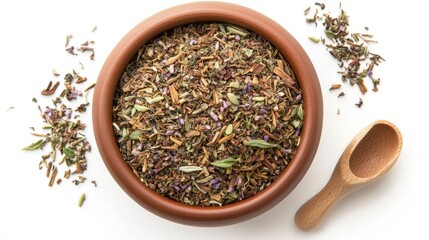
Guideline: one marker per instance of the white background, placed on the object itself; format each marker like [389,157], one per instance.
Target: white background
[32,36]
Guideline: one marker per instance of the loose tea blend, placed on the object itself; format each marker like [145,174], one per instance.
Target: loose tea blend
[356,62]
[63,130]
[208,114]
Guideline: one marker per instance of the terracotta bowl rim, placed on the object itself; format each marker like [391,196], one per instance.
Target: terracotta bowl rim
[205,12]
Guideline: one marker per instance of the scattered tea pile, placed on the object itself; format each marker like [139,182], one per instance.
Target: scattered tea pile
[356,62]
[208,114]
[62,131]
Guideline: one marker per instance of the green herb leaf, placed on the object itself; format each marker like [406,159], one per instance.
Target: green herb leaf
[81,200]
[124,132]
[307,10]
[258,99]
[233,99]
[222,28]
[237,116]
[300,112]
[35,145]
[141,108]
[225,163]
[136,135]
[228,129]
[188,169]
[329,34]
[69,152]
[133,111]
[187,124]
[126,112]
[296,123]
[234,84]
[128,98]
[236,31]
[260,144]
[154,100]
[314,39]
[248,52]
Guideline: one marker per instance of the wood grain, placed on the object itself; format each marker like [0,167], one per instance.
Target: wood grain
[370,154]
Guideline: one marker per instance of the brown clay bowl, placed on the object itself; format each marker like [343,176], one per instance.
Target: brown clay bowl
[199,12]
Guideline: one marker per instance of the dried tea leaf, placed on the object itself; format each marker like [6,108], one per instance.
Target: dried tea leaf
[296,123]
[173,59]
[314,39]
[141,108]
[300,112]
[236,31]
[188,169]
[69,152]
[154,100]
[234,84]
[126,112]
[258,99]
[82,199]
[329,34]
[282,74]
[248,52]
[233,99]
[260,144]
[307,10]
[229,129]
[224,163]
[360,103]
[136,134]
[335,86]
[187,124]
[35,145]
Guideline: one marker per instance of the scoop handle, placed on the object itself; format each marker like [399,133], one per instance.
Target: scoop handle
[310,215]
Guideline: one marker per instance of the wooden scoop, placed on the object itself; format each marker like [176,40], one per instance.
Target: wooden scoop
[368,156]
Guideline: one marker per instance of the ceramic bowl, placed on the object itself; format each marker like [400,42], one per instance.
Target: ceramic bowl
[207,12]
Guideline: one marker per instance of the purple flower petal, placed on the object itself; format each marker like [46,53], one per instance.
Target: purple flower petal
[193,42]
[169,132]
[225,105]
[214,181]
[238,180]
[135,152]
[68,114]
[214,116]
